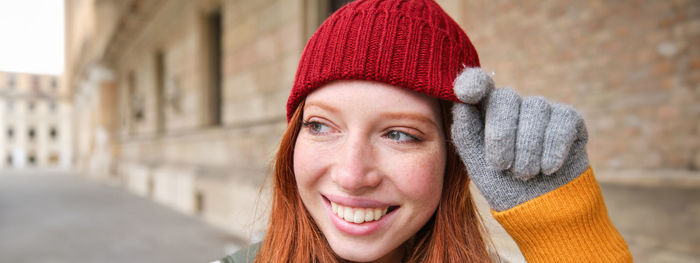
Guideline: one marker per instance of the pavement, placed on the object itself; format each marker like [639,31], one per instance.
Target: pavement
[58,217]
[660,223]
[51,217]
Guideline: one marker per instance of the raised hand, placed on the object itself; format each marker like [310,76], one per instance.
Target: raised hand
[515,149]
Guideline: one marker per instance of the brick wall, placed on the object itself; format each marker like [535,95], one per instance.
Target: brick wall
[631,67]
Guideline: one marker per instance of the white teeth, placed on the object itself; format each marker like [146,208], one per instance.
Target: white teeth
[348,215]
[358,215]
[369,214]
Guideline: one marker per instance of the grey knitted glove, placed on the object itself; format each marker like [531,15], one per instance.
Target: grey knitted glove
[525,148]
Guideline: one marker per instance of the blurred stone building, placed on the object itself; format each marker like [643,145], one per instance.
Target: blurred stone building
[35,122]
[184,101]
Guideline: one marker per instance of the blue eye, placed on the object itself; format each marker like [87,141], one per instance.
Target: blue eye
[316,127]
[400,136]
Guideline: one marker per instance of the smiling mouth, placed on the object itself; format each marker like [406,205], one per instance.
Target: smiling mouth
[360,215]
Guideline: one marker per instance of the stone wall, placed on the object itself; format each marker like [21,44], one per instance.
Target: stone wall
[263,43]
[631,67]
[169,149]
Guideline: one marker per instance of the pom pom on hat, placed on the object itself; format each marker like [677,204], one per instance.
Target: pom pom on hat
[411,44]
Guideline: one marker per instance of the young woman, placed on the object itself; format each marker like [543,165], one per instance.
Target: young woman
[389,118]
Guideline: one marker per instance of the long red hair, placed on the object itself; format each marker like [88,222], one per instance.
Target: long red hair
[453,234]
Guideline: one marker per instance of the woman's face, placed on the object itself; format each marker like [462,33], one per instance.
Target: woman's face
[369,163]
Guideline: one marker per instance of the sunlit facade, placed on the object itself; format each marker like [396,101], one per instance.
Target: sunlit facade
[35,122]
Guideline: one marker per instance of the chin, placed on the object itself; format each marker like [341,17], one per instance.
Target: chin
[359,253]
[357,256]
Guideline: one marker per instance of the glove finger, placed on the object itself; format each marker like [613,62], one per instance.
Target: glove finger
[502,110]
[473,85]
[565,125]
[467,131]
[534,117]
[467,134]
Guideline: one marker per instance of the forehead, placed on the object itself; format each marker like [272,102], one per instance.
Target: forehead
[363,95]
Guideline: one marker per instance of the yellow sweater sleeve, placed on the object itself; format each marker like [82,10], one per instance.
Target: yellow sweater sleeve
[569,224]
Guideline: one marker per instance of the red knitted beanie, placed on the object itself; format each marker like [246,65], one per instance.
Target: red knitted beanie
[412,44]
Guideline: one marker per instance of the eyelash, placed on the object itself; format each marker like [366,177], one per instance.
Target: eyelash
[308,125]
[411,138]
[313,130]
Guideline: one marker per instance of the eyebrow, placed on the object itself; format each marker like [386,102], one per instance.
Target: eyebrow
[322,106]
[410,116]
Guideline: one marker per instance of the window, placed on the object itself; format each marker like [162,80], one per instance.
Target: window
[199,202]
[136,103]
[53,133]
[315,12]
[10,133]
[36,83]
[32,159]
[11,81]
[10,105]
[151,186]
[52,106]
[53,158]
[214,31]
[9,159]
[160,91]
[54,84]
[334,5]
[31,133]
[31,105]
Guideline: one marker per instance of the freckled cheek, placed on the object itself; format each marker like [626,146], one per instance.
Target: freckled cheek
[420,177]
[308,162]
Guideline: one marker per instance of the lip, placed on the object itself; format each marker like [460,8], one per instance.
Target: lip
[356,202]
[365,228]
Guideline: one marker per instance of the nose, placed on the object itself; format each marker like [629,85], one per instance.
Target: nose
[355,168]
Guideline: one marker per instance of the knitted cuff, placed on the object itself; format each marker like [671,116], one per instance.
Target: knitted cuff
[569,224]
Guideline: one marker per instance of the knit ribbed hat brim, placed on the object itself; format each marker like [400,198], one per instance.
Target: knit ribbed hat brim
[412,44]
